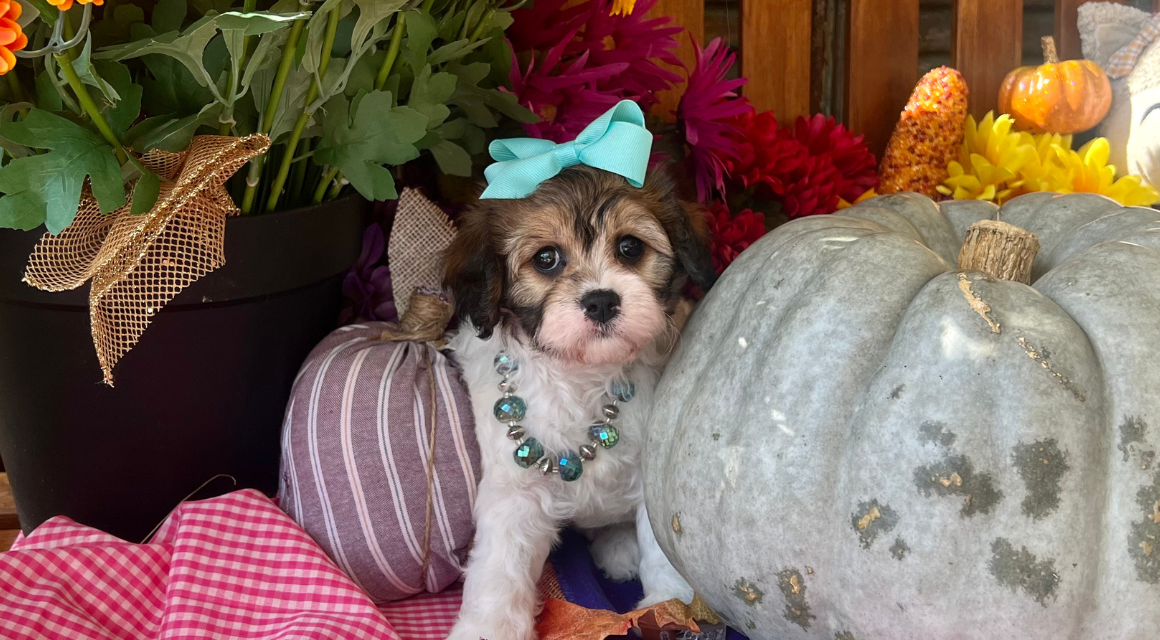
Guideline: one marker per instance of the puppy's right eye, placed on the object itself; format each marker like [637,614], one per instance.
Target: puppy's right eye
[547,260]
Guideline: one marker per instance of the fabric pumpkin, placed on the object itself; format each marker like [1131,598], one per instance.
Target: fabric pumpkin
[1056,97]
[355,455]
[1133,123]
[856,439]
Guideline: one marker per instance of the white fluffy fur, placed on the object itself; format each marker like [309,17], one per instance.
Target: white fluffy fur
[519,513]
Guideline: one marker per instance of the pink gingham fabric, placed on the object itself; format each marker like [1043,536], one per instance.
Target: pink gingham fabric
[427,616]
[1124,60]
[234,566]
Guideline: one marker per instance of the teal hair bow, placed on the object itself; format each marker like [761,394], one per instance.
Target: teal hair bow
[616,141]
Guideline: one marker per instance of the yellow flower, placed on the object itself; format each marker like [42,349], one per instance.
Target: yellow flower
[622,7]
[990,162]
[997,164]
[870,193]
[1088,171]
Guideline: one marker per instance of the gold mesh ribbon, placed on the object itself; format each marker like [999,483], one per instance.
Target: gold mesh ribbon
[139,263]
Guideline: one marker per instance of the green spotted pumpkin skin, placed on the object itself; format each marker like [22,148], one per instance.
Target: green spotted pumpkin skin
[882,446]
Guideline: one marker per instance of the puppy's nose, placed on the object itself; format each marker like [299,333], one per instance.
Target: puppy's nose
[601,306]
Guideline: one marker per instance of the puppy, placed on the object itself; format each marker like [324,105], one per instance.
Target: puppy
[578,283]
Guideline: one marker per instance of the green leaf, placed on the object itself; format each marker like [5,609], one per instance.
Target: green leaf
[453,51]
[121,115]
[170,88]
[266,55]
[430,93]
[371,13]
[451,25]
[473,99]
[290,104]
[145,193]
[316,32]
[452,130]
[474,140]
[89,76]
[46,94]
[452,159]
[7,115]
[186,47]
[168,15]
[168,133]
[421,32]
[379,134]
[49,184]
[202,7]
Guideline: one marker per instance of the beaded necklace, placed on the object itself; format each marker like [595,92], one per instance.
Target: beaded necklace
[510,410]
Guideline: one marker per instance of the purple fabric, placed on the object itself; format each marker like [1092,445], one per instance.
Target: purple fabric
[355,454]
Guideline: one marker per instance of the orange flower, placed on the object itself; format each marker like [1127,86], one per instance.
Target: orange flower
[12,37]
[65,5]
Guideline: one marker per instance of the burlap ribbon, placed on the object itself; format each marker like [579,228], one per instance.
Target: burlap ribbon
[138,263]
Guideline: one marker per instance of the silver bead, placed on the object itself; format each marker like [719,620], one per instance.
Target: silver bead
[546,465]
[507,386]
[516,432]
[611,411]
[587,451]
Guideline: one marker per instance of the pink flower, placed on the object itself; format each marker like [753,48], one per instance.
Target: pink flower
[705,112]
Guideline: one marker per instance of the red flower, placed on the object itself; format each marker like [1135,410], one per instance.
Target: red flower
[857,167]
[706,111]
[732,234]
[812,189]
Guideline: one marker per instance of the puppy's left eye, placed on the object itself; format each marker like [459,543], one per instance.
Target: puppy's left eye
[631,247]
[547,259]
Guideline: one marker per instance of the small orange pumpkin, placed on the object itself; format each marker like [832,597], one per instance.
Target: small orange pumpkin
[1056,97]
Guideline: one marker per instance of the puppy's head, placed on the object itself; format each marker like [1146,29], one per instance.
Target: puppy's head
[588,265]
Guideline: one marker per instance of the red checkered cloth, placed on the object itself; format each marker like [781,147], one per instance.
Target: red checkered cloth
[427,616]
[234,566]
[1124,60]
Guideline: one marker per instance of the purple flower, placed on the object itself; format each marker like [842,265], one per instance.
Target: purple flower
[367,285]
[708,103]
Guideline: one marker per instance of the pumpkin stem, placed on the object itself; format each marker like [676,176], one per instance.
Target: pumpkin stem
[1050,55]
[1000,250]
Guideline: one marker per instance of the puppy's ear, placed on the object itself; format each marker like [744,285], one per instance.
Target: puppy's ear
[687,230]
[475,272]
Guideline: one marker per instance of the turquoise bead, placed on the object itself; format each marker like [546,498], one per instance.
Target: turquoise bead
[605,434]
[510,409]
[570,466]
[505,364]
[623,390]
[529,452]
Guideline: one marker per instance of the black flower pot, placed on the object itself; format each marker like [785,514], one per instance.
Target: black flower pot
[202,393]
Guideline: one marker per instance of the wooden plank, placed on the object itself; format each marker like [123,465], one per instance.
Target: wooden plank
[689,14]
[881,66]
[9,519]
[986,44]
[775,55]
[1067,41]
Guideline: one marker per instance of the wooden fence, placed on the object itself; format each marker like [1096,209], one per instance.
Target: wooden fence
[787,56]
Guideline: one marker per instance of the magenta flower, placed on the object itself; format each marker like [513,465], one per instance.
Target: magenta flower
[567,100]
[705,110]
[638,41]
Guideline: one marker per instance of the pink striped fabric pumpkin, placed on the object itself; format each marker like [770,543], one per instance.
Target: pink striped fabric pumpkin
[356,454]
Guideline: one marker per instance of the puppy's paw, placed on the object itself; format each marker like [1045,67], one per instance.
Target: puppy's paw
[617,552]
[504,629]
[665,587]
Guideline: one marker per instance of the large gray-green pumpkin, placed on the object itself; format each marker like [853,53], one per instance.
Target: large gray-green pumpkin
[856,440]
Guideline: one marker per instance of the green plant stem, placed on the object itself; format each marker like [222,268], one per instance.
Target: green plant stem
[304,117]
[14,86]
[335,188]
[327,176]
[299,176]
[253,177]
[224,128]
[68,33]
[90,107]
[392,52]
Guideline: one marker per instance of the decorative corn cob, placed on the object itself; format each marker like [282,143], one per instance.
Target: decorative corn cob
[928,135]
